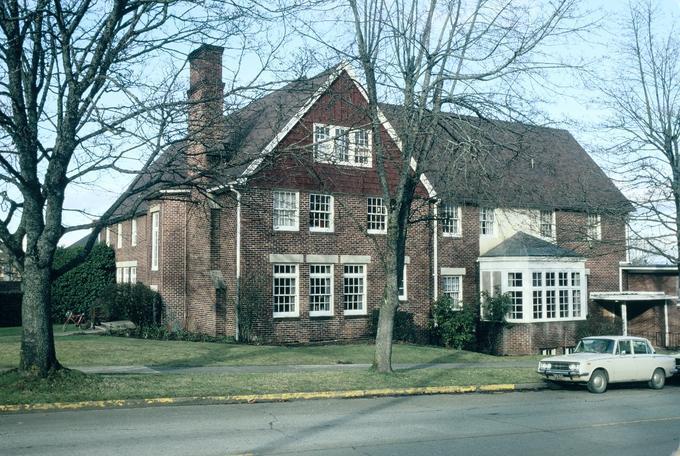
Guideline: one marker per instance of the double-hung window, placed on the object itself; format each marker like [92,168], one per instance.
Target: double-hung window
[285,211]
[547,226]
[376,216]
[320,212]
[451,220]
[342,145]
[133,232]
[286,291]
[486,221]
[119,236]
[155,239]
[594,227]
[403,286]
[452,287]
[323,148]
[362,147]
[320,290]
[516,295]
[108,236]
[354,289]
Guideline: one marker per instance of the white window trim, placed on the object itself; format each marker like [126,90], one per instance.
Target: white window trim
[363,310]
[351,153]
[459,224]
[295,227]
[374,231]
[404,297]
[331,222]
[323,313]
[155,239]
[133,232]
[119,236]
[296,312]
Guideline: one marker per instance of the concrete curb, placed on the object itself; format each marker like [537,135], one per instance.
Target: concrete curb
[272,397]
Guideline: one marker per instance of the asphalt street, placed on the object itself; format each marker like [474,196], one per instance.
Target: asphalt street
[624,421]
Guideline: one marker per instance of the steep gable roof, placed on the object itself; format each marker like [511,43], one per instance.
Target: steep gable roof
[525,245]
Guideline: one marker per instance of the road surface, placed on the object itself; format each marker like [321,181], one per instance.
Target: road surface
[623,421]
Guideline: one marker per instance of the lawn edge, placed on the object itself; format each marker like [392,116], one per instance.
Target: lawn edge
[269,397]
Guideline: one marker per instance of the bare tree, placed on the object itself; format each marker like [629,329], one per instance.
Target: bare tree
[81,96]
[439,57]
[644,99]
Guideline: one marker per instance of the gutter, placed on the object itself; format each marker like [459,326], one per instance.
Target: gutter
[238,259]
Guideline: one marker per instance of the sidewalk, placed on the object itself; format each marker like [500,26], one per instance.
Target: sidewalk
[280,368]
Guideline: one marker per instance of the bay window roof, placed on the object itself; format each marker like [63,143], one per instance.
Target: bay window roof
[525,245]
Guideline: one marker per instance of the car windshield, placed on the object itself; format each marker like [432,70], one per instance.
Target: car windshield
[595,346]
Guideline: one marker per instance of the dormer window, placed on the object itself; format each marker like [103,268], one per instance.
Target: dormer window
[342,145]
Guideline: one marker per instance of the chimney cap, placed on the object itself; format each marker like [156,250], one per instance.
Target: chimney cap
[203,49]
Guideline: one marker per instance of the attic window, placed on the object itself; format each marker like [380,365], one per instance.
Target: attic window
[342,145]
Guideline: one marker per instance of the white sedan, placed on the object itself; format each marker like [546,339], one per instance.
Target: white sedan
[598,361]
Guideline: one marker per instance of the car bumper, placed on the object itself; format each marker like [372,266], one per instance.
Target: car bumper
[565,376]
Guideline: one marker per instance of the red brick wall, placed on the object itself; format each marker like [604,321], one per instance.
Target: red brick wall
[652,320]
[531,338]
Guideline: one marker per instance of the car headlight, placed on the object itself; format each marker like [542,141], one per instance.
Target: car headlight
[573,366]
[544,366]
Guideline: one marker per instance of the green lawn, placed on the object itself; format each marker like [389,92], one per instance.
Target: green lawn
[75,386]
[79,350]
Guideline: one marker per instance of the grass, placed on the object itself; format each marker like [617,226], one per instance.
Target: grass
[72,386]
[80,350]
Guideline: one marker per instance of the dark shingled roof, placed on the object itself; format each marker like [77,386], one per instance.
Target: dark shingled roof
[474,161]
[525,245]
[511,164]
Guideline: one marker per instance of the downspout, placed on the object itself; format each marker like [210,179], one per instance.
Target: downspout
[435,260]
[238,259]
[665,320]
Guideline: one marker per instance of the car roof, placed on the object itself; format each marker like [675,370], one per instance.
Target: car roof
[616,337]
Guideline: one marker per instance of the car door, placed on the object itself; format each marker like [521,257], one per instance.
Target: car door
[622,364]
[644,360]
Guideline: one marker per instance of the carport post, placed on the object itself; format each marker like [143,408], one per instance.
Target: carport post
[624,317]
[665,321]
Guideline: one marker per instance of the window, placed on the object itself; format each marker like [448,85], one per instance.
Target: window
[549,279]
[322,146]
[376,219]
[516,305]
[108,236]
[594,227]
[320,289]
[451,220]
[403,287]
[451,287]
[362,147]
[320,212]
[563,279]
[486,220]
[575,279]
[133,274]
[624,348]
[119,236]
[119,275]
[576,302]
[155,238]
[536,279]
[354,289]
[342,145]
[285,211]
[514,279]
[538,304]
[126,274]
[564,303]
[546,222]
[641,347]
[285,290]
[133,233]
[550,309]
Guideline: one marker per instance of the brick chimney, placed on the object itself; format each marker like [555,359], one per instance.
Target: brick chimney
[206,108]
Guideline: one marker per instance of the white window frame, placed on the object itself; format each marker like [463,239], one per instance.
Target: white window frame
[362,275]
[296,223]
[487,221]
[458,300]
[594,227]
[331,214]
[133,232]
[287,275]
[119,236]
[375,202]
[316,275]
[155,239]
[327,137]
[403,291]
[548,216]
[451,220]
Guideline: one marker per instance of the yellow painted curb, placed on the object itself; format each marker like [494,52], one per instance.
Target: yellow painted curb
[252,398]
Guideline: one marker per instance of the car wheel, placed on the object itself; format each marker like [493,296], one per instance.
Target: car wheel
[658,379]
[598,382]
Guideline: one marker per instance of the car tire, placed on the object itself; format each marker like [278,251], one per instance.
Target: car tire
[658,379]
[598,381]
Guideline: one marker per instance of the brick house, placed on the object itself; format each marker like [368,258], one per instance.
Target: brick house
[292,228]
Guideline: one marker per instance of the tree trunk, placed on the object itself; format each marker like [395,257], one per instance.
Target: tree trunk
[38,356]
[382,361]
